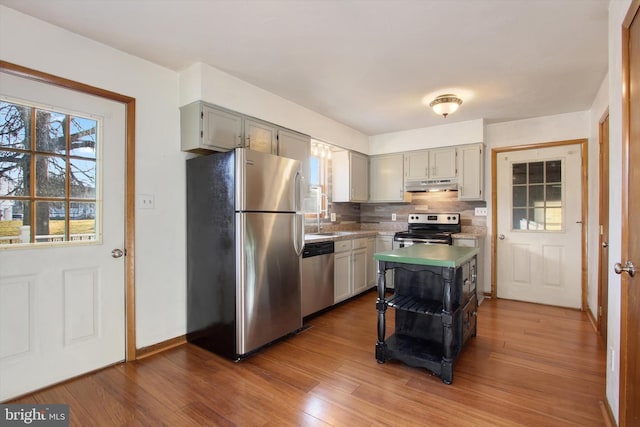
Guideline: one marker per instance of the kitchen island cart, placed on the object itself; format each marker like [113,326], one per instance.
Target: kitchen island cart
[435,305]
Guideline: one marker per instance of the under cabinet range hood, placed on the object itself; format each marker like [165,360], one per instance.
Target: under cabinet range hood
[423,185]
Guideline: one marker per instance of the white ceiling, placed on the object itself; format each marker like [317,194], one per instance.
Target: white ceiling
[368,63]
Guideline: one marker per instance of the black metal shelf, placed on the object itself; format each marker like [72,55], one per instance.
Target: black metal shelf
[415,305]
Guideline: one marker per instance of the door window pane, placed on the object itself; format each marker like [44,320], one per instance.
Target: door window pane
[15,169]
[82,174]
[82,225]
[537,196]
[15,129]
[50,222]
[553,220]
[554,171]
[51,174]
[51,131]
[83,137]
[519,219]
[519,173]
[536,172]
[519,195]
[554,193]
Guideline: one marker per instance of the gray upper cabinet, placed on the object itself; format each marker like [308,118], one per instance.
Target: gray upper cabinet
[434,164]
[442,163]
[350,177]
[297,146]
[260,136]
[386,178]
[471,172]
[206,128]
[416,164]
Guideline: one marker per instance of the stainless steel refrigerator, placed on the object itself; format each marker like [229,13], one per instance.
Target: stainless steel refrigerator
[245,235]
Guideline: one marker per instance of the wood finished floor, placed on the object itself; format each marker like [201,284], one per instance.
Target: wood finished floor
[529,365]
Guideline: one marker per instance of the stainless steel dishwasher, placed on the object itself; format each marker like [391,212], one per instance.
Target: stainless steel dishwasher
[317,277]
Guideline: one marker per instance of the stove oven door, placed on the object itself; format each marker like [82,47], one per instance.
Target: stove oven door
[403,243]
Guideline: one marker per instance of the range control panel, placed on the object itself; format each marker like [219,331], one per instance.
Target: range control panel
[441,218]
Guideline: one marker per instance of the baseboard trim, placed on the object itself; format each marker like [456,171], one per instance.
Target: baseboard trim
[607,414]
[143,352]
[593,321]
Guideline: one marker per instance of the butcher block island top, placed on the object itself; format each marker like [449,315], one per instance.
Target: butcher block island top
[432,255]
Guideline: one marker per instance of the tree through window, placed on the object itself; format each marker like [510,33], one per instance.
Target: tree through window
[48,175]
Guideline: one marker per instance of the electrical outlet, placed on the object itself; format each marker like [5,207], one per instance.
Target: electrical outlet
[145,201]
[393,217]
[333,217]
[481,211]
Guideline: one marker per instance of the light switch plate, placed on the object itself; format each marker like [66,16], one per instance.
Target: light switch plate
[333,217]
[393,217]
[481,211]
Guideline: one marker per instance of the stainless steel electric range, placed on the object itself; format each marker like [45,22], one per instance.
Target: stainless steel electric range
[429,228]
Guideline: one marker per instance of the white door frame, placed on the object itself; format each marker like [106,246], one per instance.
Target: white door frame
[130,106]
[582,143]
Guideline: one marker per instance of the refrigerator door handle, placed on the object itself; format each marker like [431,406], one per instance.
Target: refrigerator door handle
[298,233]
[297,188]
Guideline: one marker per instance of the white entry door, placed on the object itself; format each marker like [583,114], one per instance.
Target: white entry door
[62,296]
[539,225]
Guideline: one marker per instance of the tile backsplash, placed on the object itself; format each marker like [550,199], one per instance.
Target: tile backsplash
[378,216]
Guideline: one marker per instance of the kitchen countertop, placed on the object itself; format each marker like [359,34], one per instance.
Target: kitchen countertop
[432,255]
[344,235]
[355,234]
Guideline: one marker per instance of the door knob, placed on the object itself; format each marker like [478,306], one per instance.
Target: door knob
[605,244]
[501,236]
[629,268]
[117,253]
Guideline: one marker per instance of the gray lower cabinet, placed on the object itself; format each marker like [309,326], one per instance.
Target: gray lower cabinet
[360,264]
[372,268]
[351,262]
[342,270]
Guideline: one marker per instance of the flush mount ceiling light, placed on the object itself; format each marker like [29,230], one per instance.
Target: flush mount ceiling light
[445,104]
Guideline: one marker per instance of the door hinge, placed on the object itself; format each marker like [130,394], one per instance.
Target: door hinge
[600,311]
[202,114]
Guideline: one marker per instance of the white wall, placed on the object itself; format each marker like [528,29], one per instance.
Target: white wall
[617,11]
[203,82]
[160,233]
[457,133]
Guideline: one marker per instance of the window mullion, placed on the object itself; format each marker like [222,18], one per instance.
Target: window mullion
[32,178]
[67,180]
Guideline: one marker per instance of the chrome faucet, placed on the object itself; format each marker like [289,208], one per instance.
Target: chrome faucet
[319,210]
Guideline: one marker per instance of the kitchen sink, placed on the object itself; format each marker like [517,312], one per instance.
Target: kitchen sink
[329,233]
